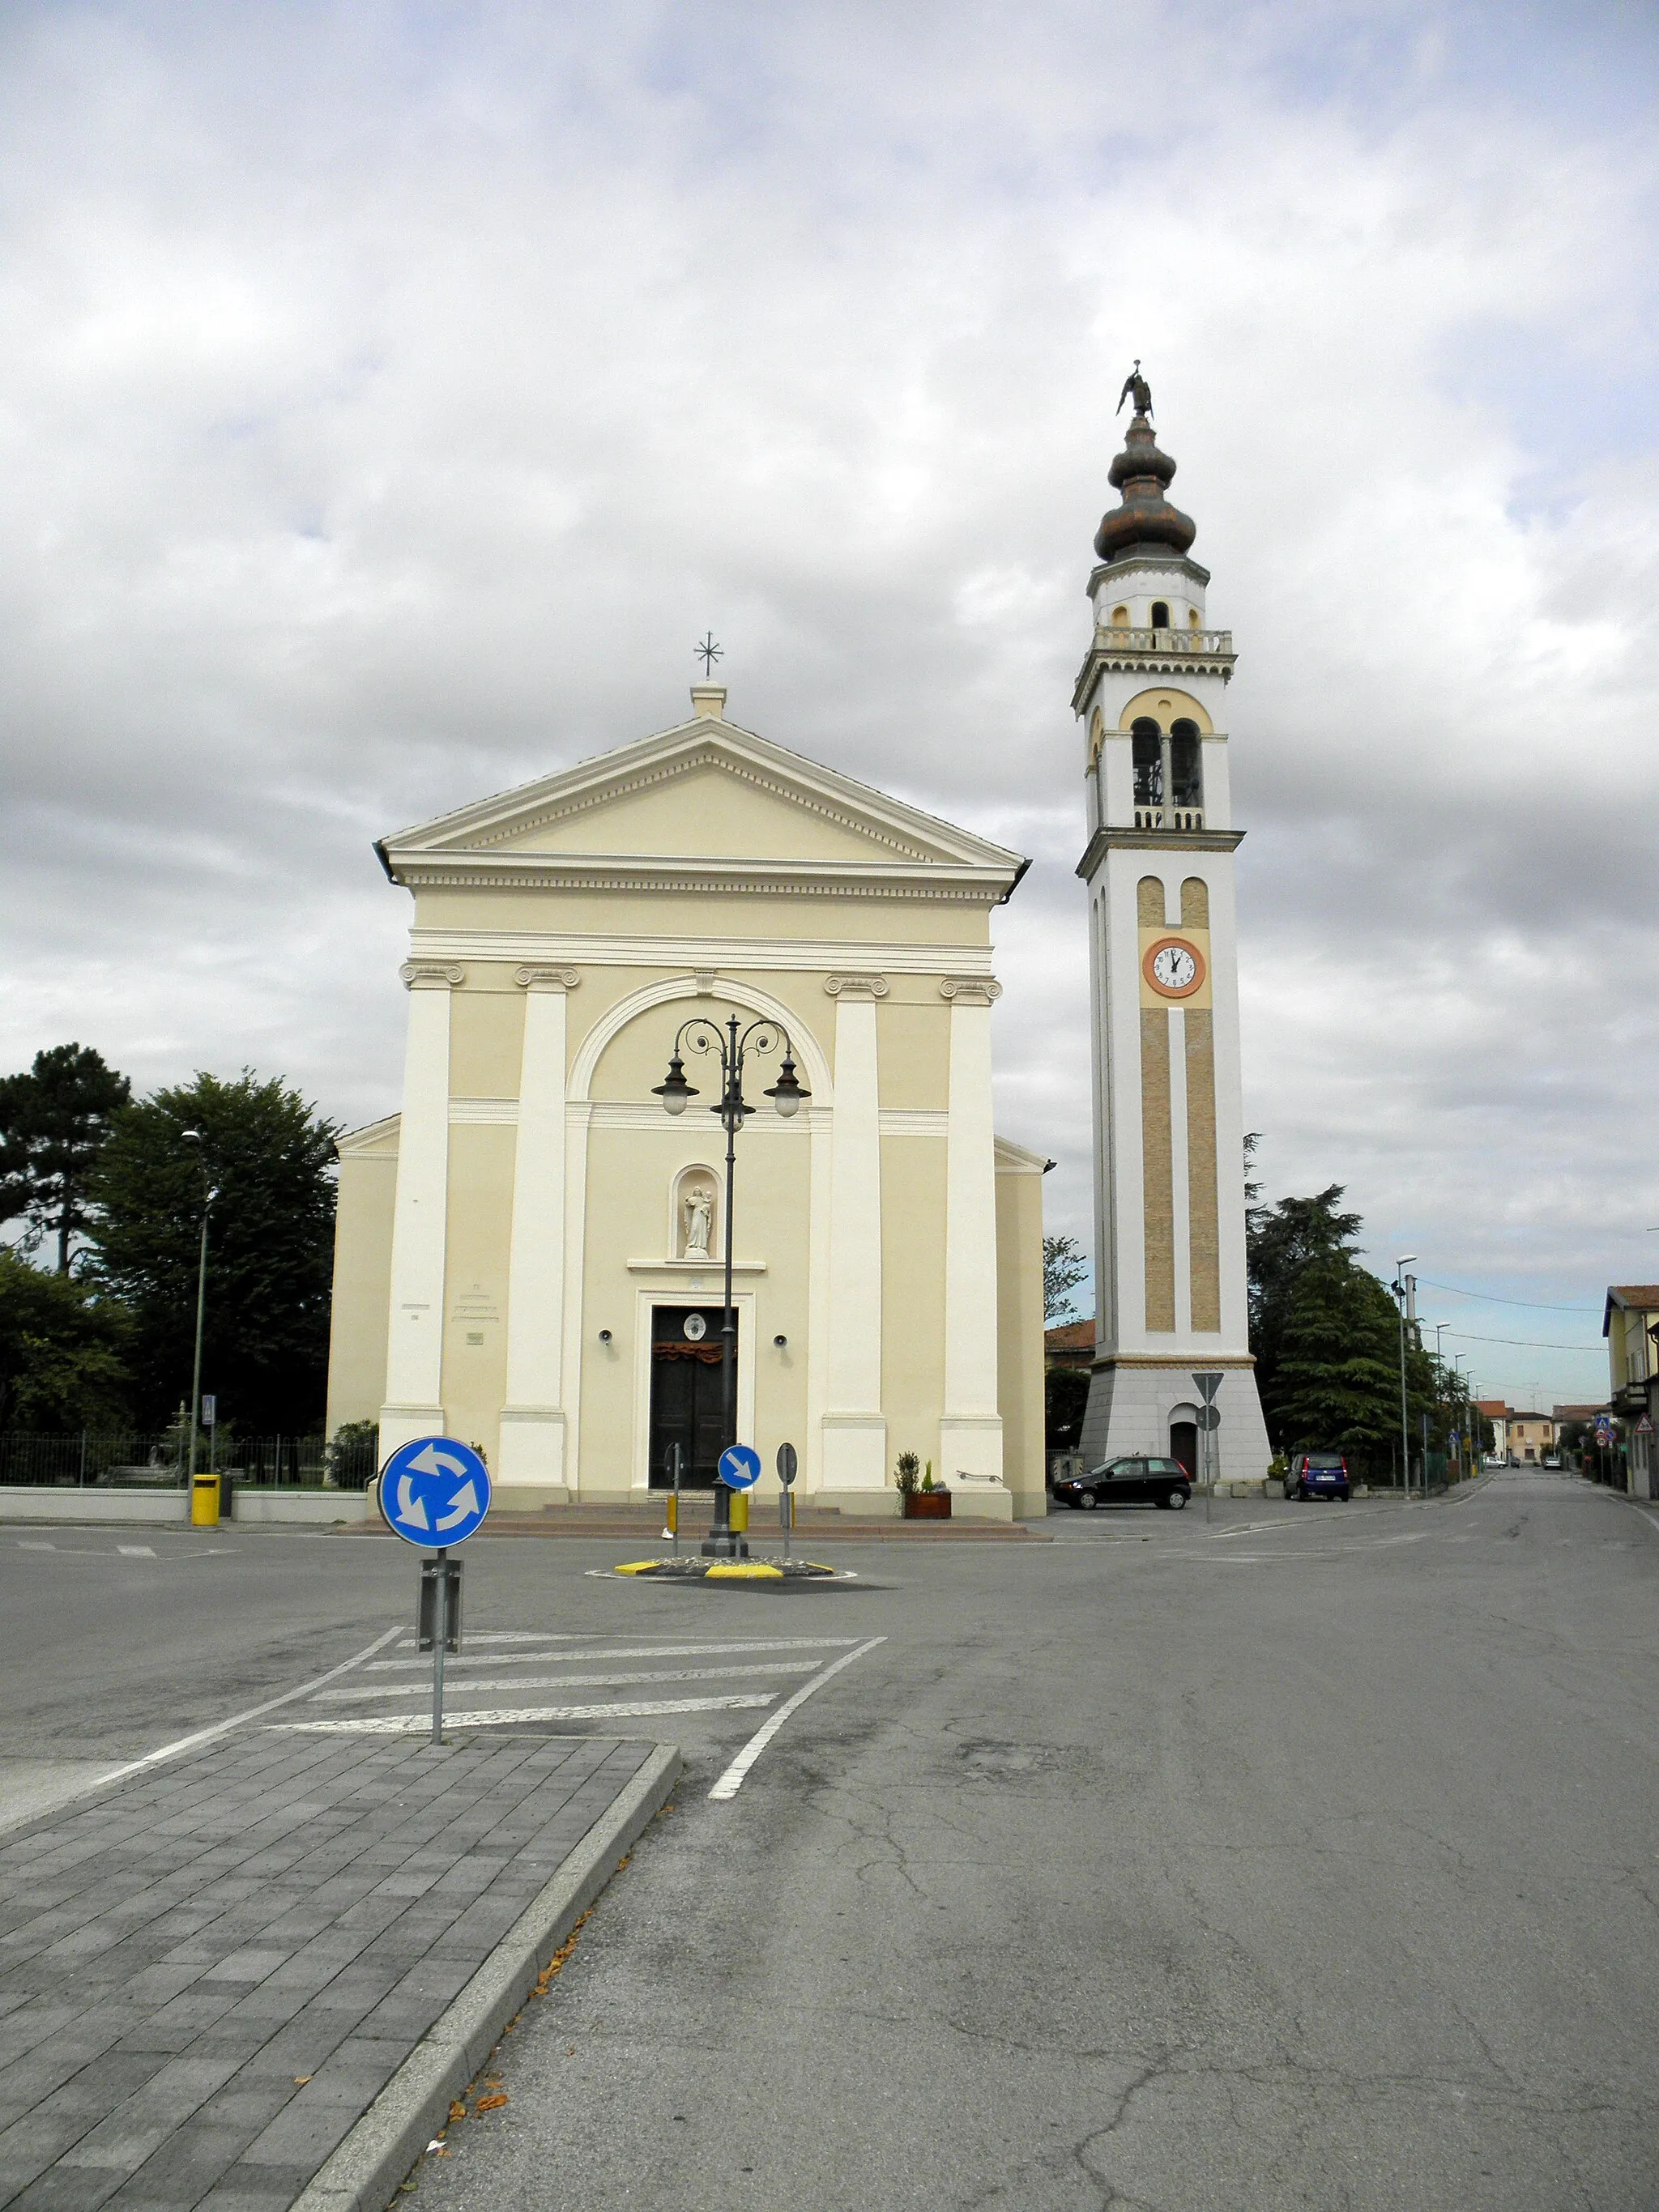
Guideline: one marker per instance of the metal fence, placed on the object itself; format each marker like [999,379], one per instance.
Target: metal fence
[123,1460]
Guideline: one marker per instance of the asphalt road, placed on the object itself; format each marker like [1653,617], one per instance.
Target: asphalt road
[1306,1859]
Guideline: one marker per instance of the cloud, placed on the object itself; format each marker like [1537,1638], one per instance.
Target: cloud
[389,396]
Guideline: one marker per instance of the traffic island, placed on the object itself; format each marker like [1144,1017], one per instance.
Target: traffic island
[689,1569]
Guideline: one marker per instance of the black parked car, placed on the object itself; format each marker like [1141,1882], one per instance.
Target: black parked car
[1127,1482]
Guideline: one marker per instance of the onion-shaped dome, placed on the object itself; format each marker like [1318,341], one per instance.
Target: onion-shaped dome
[1139,474]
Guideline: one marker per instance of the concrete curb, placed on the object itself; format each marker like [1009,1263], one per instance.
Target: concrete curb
[363,2172]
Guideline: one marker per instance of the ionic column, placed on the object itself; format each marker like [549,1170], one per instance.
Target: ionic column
[970,1425]
[854,1429]
[415,1335]
[532,1435]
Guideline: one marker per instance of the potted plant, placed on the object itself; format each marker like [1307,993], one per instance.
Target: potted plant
[924,1498]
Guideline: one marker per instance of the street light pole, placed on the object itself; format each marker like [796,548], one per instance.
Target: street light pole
[1468,1382]
[1401,1266]
[730,1050]
[209,1193]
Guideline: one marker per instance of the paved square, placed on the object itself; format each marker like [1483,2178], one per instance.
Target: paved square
[209,1972]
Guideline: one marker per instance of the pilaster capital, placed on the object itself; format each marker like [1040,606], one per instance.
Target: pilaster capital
[431,975]
[856,987]
[560,980]
[971,990]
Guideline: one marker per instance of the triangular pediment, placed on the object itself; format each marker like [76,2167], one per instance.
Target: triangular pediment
[707,790]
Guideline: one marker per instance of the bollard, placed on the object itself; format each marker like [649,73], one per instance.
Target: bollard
[739,1513]
[204,1499]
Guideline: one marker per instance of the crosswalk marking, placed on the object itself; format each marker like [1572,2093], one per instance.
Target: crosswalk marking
[472,1686]
[633,1651]
[516,1717]
[505,1636]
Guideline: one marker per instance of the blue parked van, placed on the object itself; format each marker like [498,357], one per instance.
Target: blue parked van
[1318,1475]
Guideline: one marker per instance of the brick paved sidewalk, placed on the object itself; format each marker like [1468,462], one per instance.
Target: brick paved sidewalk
[208,1973]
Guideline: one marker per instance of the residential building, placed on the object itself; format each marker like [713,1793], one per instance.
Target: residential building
[1495,1411]
[1630,1322]
[1070,1344]
[1529,1436]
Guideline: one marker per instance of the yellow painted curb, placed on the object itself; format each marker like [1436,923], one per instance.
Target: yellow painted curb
[743,1570]
[640,1567]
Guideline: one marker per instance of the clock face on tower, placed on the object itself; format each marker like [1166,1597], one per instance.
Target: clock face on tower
[1173,968]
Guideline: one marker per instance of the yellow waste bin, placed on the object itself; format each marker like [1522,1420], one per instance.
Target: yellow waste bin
[739,1510]
[204,1499]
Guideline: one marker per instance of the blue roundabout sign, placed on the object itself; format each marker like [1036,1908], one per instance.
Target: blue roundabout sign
[434,1492]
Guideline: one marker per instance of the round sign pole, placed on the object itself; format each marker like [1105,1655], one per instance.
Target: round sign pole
[438,1643]
[788,1464]
[433,1492]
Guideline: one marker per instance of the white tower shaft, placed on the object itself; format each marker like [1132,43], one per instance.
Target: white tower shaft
[1168,1107]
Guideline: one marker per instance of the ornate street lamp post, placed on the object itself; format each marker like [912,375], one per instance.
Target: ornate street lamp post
[730,1048]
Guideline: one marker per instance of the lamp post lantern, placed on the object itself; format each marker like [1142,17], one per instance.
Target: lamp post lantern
[730,1047]
[210,1192]
[1401,1283]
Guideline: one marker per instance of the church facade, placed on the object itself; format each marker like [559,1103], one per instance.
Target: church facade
[1171,1276]
[529,1254]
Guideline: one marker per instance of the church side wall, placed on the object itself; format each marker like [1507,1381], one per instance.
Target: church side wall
[1020,1379]
[362,1287]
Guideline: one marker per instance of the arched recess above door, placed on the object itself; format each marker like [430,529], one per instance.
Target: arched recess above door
[728,995]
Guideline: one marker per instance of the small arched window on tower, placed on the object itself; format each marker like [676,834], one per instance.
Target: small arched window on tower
[1160,614]
[1186,774]
[1147,745]
[1120,618]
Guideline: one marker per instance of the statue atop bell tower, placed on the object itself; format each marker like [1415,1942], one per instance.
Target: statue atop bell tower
[1170,1288]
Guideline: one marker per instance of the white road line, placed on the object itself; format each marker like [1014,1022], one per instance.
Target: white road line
[512,1717]
[472,1686]
[633,1651]
[223,1727]
[511,1636]
[25,1545]
[136,1551]
[732,1781]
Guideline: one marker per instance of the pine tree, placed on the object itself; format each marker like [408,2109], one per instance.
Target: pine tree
[54,1122]
[1282,1242]
[1336,1386]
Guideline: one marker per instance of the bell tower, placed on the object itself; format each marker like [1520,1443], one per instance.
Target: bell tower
[1168,1113]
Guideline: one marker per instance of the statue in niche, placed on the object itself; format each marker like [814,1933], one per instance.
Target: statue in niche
[699,1205]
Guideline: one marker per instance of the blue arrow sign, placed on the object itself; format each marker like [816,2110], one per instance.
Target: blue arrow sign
[740,1466]
[434,1492]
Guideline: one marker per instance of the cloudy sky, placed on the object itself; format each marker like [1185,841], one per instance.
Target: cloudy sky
[391,393]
